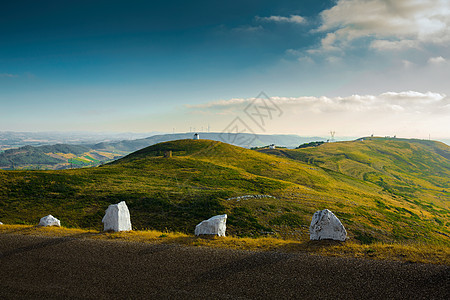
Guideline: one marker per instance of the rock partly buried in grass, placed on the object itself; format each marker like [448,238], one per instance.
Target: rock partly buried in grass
[117,217]
[49,221]
[326,226]
[216,225]
[1,223]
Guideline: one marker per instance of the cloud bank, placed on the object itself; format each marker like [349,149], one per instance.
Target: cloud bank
[392,24]
[437,60]
[408,113]
[409,101]
[279,19]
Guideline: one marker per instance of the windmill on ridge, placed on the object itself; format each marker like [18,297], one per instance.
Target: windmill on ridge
[332,133]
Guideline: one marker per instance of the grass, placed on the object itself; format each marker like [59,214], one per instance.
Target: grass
[404,168]
[413,173]
[412,253]
[355,180]
[51,157]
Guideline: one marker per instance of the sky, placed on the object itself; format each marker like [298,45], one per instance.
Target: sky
[354,67]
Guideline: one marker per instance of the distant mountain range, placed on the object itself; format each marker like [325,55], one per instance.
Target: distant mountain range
[13,139]
[63,156]
[238,139]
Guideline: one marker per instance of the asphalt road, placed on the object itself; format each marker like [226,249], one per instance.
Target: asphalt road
[70,268]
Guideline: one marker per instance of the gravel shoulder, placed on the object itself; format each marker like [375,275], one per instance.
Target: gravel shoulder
[33,267]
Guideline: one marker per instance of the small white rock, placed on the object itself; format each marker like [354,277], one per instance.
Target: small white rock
[326,226]
[216,225]
[49,221]
[117,217]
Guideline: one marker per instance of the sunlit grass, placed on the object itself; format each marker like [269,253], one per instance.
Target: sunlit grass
[383,192]
[413,253]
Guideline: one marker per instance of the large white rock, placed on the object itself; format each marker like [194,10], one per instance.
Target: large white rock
[1,223]
[326,226]
[117,217]
[49,221]
[216,225]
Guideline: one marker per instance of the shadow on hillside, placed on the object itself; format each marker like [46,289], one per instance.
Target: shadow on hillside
[258,260]
[48,242]
[156,248]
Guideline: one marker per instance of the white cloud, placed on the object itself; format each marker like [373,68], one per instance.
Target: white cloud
[412,95]
[247,29]
[220,103]
[279,19]
[407,114]
[329,41]
[437,60]
[393,24]
[407,64]
[389,101]
[384,45]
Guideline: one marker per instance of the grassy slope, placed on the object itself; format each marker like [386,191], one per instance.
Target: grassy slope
[415,173]
[176,193]
[405,168]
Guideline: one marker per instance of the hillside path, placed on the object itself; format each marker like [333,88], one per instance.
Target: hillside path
[73,268]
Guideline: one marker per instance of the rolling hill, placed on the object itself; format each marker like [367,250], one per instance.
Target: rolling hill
[55,157]
[409,169]
[239,139]
[65,156]
[204,178]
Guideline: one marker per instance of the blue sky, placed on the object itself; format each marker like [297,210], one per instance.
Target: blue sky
[353,66]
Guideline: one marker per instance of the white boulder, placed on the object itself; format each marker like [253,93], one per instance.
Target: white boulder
[49,221]
[117,217]
[216,225]
[1,223]
[326,226]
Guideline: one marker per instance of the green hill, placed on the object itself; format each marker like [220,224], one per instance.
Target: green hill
[55,157]
[406,168]
[26,155]
[204,177]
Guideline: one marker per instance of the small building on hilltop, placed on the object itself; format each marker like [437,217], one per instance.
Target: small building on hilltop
[196,136]
[272,146]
